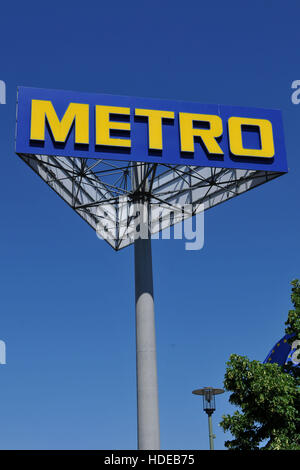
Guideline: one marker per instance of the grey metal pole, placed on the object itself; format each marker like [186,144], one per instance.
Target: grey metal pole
[146,368]
[210,431]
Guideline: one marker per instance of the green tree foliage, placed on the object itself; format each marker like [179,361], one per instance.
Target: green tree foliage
[267,397]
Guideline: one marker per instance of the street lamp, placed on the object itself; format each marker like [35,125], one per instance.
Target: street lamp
[209,406]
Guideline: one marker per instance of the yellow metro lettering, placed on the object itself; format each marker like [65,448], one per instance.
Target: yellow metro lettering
[42,110]
[104,125]
[155,118]
[235,137]
[78,114]
[208,136]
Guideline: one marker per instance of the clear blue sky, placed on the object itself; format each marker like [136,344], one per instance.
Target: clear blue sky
[67,299]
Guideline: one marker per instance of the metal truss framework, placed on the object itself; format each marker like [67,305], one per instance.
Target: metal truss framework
[103,192]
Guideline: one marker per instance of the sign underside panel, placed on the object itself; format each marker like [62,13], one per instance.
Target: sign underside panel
[102,191]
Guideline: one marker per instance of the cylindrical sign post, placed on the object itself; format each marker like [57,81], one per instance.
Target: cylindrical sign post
[147,388]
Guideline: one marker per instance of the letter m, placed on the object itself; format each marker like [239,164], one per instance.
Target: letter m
[42,110]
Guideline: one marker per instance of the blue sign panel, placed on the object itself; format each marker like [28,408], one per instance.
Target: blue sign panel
[66,123]
[283,353]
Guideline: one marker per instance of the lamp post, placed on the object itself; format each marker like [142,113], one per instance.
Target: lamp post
[209,406]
